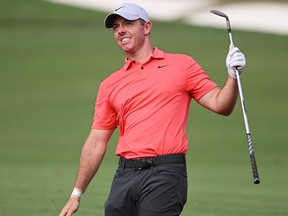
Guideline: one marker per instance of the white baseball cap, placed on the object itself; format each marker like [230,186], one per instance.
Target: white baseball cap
[128,11]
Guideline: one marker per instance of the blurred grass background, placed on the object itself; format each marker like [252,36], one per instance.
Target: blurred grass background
[52,60]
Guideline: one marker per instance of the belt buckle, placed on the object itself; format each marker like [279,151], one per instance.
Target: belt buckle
[142,163]
[138,164]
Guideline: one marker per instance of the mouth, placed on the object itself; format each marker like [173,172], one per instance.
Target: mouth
[124,39]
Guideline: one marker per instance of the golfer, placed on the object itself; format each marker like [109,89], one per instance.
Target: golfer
[148,100]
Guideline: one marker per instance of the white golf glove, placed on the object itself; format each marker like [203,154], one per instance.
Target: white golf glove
[235,59]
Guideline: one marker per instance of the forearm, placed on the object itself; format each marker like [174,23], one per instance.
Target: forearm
[91,157]
[227,97]
[92,154]
[223,100]
[89,163]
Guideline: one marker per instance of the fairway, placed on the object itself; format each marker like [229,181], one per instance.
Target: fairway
[52,60]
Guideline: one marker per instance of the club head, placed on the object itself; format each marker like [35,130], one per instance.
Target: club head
[219,13]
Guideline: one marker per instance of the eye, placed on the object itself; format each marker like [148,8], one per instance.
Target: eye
[115,27]
[129,23]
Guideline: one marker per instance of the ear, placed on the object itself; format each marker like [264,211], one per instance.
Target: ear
[147,27]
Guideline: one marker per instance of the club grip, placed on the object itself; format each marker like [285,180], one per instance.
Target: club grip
[255,173]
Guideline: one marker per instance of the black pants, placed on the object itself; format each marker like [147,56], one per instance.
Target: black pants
[155,191]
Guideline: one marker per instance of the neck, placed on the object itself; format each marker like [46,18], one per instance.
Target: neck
[142,55]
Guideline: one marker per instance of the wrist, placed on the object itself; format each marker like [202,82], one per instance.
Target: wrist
[232,73]
[76,193]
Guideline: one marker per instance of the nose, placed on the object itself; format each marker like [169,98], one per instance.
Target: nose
[121,29]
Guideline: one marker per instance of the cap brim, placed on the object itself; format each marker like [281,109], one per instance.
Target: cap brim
[110,18]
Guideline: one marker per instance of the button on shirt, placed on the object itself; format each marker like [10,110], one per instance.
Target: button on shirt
[150,102]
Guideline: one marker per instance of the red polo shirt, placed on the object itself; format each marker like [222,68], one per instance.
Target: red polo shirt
[150,103]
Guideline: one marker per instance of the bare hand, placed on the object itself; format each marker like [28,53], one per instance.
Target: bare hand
[71,207]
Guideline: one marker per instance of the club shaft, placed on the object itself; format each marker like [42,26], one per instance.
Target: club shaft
[248,134]
[255,173]
[230,36]
[242,103]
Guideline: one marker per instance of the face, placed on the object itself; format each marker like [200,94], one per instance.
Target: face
[130,35]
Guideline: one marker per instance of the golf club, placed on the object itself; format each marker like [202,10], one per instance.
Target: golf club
[256,178]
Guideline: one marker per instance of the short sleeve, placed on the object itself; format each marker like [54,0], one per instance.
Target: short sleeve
[104,114]
[198,82]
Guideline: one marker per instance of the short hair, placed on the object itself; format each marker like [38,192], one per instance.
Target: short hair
[142,21]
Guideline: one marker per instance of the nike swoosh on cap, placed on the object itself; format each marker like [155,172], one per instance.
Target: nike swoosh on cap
[119,8]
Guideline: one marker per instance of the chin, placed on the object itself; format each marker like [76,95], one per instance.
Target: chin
[127,49]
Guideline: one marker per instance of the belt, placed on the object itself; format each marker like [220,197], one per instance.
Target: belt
[145,163]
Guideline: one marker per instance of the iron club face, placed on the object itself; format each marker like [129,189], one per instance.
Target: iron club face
[219,13]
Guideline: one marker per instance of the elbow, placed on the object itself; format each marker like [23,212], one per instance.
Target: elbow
[225,112]
[226,109]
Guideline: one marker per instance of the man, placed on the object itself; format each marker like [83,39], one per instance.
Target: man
[148,99]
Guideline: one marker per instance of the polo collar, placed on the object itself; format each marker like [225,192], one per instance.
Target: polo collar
[157,54]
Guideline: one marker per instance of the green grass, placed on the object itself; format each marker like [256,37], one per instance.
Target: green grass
[52,60]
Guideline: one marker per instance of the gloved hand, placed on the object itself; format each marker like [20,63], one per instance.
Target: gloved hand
[235,59]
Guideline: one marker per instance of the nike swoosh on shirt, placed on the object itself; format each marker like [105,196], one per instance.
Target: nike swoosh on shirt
[161,66]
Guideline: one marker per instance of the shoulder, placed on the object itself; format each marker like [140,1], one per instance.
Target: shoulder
[113,76]
[179,58]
